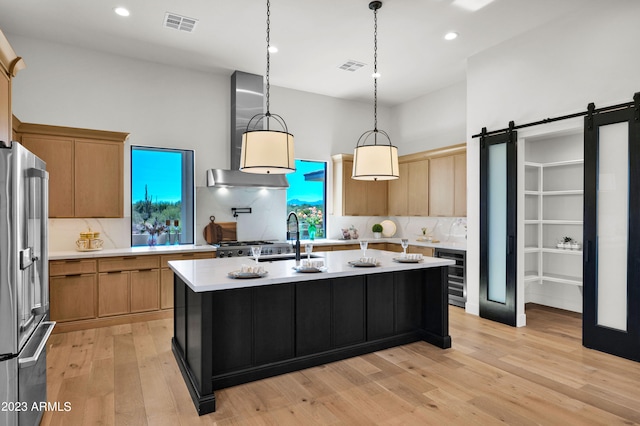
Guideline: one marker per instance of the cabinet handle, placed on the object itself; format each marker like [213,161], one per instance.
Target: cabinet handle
[73,261]
[144,270]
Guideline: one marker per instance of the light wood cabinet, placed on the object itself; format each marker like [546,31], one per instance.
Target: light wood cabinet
[88,293]
[460,185]
[356,197]
[426,251]
[85,168]
[166,274]
[57,152]
[145,290]
[5,107]
[418,188]
[448,185]
[398,198]
[73,297]
[113,293]
[72,290]
[10,64]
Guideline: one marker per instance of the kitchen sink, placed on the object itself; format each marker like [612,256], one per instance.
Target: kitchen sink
[278,257]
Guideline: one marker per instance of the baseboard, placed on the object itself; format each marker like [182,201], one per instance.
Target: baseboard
[65,327]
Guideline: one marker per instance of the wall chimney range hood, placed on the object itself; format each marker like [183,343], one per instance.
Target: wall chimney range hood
[247,100]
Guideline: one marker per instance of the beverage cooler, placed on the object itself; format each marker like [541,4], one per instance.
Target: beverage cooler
[456,276]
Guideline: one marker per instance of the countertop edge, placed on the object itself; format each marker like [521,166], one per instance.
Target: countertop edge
[130,251]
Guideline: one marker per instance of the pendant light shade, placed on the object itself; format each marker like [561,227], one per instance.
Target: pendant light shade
[375,159]
[267,151]
[264,150]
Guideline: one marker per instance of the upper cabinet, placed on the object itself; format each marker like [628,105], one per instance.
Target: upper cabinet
[353,197]
[85,169]
[409,194]
[448,185]
[431,183]
[10,64]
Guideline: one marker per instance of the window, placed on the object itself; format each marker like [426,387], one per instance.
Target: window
[162,196]
[307,194]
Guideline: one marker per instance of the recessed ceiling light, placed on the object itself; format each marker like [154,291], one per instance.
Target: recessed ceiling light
[273,49]
[375,75]
[122,11]
[451,36]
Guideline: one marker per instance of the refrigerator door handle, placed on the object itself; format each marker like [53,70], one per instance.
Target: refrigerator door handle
[32,359]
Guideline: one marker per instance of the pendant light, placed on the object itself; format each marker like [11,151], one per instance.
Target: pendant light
[375,159]
[264,150]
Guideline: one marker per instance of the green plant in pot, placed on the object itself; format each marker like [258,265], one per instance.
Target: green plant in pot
[377,230]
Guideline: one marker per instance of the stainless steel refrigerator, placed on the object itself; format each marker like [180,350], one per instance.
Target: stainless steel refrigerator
[24,286]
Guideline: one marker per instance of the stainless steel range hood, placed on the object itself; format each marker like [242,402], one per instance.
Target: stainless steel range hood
[247,100]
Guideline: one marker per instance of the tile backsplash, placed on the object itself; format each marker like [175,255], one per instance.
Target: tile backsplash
[451,229]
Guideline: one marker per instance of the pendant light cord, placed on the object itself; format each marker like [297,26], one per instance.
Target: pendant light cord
[375,70]
[268,56]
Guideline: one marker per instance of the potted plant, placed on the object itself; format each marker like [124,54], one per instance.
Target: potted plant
[566,242]
[377,230]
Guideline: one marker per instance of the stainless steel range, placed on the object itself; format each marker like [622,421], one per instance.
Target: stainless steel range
[243,248]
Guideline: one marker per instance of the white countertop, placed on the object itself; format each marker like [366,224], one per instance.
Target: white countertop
[130,251]
[452,245]
[211,274]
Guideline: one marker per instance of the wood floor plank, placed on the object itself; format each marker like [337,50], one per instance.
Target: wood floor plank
[493,374]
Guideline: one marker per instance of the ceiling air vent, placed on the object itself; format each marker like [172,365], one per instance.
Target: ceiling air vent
[351,65]
[181,23]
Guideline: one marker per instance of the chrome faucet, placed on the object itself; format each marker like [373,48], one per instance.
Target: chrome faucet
[293,226]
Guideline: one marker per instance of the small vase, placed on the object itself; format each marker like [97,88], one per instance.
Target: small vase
[377,235]
[312,232]
[152,240]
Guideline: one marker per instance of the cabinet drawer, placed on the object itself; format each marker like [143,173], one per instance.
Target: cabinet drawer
[426,251]
[73,298]
[185,256]
[128,263]
[72,267]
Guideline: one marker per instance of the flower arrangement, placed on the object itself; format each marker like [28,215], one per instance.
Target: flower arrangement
[154,228]
[312,215]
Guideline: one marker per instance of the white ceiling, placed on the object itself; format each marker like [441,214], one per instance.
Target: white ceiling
[313,38]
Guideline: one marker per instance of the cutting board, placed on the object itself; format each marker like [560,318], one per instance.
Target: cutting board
[215,232]
[229,231]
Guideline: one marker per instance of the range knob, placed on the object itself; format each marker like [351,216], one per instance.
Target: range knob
[240,252]
[221,254]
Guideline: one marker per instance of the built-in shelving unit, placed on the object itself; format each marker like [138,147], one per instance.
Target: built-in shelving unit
[553,209]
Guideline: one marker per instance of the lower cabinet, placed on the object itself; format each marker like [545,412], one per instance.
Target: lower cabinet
[85,293]
[73,297]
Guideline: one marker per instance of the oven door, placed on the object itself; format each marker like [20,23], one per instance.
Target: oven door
[32,375]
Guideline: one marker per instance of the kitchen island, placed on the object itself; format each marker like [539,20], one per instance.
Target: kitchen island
[232,331]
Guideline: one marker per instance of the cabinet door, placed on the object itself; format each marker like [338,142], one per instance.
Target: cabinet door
[441,186]
[398,196]
[98,178]
[348,310]
[376,198]
[380,306]
[460,185]
[418,188]
[166,289]
[73,297]
[354,192]
[57,152]
[274,333]
[313,317]
[113,294]
[145,290]
[5,107]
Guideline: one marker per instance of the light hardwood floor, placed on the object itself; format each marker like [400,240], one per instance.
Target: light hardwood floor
[493,374]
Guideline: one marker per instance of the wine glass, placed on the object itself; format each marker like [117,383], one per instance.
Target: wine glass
[255,251]
[405,243]
[308,248]
[363,247]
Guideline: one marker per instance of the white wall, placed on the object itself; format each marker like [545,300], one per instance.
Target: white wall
[431,121]
[168,106]
[554,70]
